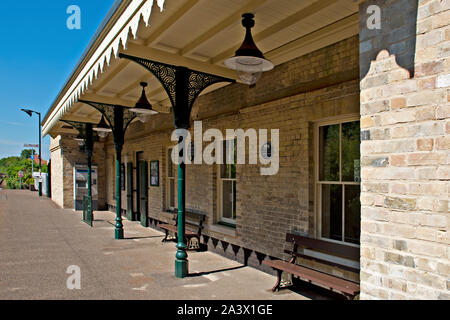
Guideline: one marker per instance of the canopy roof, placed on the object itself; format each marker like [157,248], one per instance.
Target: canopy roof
[199,34]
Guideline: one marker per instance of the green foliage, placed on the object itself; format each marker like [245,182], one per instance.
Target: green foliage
[26,153]
[12,165]
[7,162]
[332,142]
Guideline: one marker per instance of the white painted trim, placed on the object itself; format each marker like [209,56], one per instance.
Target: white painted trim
[317,184]
[126,23]
[219,190]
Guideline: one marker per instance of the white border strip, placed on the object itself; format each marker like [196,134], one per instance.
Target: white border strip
[119,33]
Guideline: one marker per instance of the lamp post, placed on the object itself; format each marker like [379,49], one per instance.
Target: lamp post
[30,113]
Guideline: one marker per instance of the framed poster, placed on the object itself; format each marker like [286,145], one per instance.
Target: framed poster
[154,173]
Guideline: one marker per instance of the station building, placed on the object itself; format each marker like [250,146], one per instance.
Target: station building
[359,93]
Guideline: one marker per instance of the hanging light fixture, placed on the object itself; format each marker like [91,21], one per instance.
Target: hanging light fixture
[249,61]
[80,139]
[143,108]
[102,128]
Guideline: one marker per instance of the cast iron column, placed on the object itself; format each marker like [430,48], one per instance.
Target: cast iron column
[183,86]
[182,123]
[89,143]
[86,132]
[119,137]
[118,117]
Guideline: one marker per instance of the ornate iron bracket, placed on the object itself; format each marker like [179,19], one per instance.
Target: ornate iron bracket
[85,130]
[118,117]
[182,85]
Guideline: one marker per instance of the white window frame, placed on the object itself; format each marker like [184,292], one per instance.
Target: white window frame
[220,189]
[318,184]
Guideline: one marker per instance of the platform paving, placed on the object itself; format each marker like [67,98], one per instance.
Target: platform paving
[39,241]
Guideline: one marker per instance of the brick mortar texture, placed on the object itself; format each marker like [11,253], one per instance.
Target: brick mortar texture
[405,156]
[267,206]
[65,153]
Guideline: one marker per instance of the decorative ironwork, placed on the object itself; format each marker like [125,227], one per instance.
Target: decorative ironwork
[183,86]
[167,75]
[119,118]
[81,128]
[111,113]
[199,81]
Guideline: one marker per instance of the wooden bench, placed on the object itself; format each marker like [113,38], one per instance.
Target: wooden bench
[193,229]
[342,286]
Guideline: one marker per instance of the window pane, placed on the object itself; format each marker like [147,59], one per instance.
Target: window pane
[351,151]
[332,211]
[172,193]
[227,199]
[352,214]
[228,170]
[329,153]
[224,171]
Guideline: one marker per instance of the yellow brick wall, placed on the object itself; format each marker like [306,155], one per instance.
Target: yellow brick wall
[65,153]
[318,86]
[405,114]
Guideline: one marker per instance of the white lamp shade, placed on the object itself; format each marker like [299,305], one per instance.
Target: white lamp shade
[103,134]
[144,111]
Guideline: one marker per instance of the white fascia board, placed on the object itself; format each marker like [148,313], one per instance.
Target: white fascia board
[128,21]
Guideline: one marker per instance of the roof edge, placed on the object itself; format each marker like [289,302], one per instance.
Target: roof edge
[116,9]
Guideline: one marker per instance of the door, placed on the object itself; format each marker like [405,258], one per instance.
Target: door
[143,192]
[137,198]
[130,191]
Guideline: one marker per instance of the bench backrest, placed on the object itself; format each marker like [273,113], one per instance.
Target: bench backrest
[193,220]
[336,249]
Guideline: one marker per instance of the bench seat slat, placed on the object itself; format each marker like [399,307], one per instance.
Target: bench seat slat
[316,277]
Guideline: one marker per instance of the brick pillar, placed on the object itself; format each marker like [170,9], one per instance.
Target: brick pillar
[405,112]
[65,152]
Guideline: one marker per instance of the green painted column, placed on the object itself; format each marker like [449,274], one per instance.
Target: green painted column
[181,261]
[188,85]
[89,150]
[89,178]
[181,121]
[119,225]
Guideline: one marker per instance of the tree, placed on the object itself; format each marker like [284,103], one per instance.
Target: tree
[13,180]
[12,165]
[26,153]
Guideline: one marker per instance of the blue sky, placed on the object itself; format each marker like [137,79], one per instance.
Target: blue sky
[37,54]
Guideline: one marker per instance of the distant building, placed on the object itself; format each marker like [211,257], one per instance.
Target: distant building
[36,160]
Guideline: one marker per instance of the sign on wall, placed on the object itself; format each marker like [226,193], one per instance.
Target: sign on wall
[154,173]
